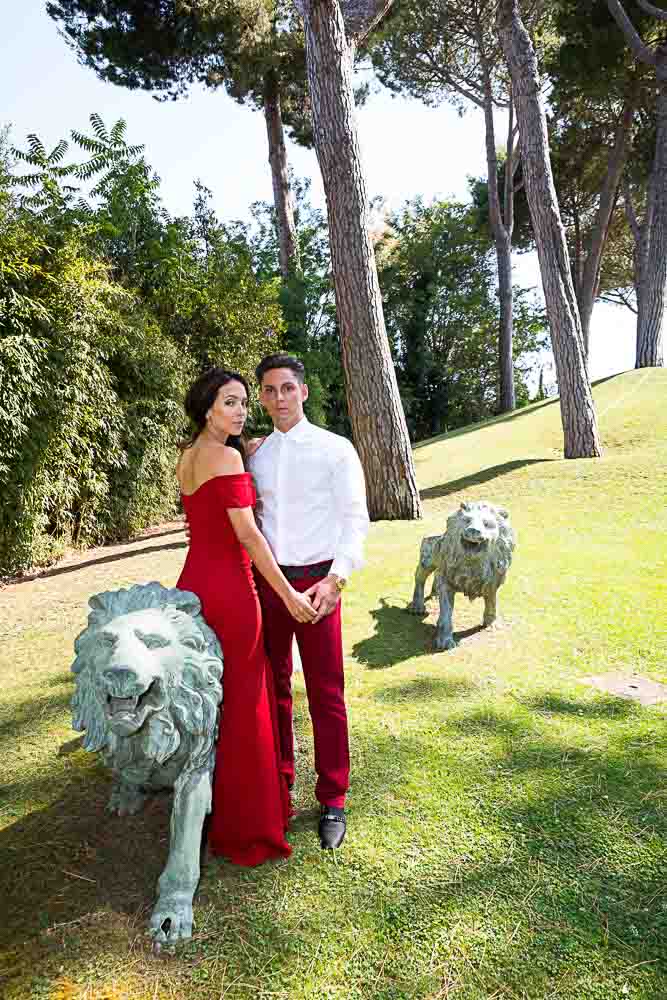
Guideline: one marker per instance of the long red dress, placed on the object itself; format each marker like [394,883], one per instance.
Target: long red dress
[250,796]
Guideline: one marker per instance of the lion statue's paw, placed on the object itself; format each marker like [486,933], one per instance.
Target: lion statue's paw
[447,642]
[126,801]
[171,920]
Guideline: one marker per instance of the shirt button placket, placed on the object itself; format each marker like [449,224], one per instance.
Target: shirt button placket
[280,499]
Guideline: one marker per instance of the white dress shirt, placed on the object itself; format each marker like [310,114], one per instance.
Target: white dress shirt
[312,498]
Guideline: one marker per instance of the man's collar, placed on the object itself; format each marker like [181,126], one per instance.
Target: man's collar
[296,433]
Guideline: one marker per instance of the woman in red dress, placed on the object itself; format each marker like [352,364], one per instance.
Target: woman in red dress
[250,797]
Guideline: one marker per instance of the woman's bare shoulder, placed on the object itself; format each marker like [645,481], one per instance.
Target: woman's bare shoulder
[228,461]
[182,466]
[194,470]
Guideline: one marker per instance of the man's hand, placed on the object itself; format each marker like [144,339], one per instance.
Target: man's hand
[252,446]
[324,596]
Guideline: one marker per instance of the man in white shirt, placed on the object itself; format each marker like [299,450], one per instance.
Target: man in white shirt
[312,512]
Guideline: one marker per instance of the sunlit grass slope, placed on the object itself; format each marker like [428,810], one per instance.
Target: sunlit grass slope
[507,823]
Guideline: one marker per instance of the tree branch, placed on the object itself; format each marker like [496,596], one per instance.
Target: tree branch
[511,164]
[595,243]
[361,16]
[464,92]
[639,48]
[630,213]
[650,8]
[616,297]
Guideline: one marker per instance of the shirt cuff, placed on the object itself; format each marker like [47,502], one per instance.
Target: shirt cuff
[341,566]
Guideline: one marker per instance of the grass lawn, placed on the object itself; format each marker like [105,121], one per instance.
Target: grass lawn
[506,821]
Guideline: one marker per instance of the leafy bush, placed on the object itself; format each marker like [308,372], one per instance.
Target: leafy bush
[107,312]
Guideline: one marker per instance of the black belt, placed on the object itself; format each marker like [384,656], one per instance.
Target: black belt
[315,569]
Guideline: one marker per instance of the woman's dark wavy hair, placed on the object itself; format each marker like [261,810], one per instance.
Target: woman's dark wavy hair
[201,397]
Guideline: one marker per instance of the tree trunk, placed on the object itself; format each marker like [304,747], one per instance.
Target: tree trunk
[376,413]
[507,396]
[653,254]
[502,235]
[581,439]
[416,354]
[282,196]
[651,237]
[588,282]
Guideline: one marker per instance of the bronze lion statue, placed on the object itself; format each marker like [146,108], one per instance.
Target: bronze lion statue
[471,558]
[148,688]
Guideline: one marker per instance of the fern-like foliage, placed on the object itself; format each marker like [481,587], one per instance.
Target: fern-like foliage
[47,192]
[108,155]
[108,151]
[99,128]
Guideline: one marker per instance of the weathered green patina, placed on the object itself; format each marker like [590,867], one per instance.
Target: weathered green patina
[148,687]
[472,558]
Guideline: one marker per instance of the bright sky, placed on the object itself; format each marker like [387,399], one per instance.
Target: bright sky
[408,149]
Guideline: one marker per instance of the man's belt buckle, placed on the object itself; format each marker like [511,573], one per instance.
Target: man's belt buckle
[314,570]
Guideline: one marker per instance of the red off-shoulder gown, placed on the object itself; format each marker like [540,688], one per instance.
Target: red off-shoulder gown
[250,796]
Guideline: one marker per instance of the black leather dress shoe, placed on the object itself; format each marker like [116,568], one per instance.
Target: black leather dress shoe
[332,827]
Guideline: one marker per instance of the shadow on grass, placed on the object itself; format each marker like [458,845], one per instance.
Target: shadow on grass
[149,535]
[22,718]
[603,707]
[426,689]
[101,560]
[477,478]
[480,720]
[65,677]
[71,746]
[399,635]
[72,859]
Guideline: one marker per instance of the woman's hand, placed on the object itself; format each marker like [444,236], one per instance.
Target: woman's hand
[299,606]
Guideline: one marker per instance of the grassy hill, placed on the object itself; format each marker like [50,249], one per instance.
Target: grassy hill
[507,823]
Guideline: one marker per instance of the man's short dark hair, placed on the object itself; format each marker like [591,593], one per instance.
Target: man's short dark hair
[272,361]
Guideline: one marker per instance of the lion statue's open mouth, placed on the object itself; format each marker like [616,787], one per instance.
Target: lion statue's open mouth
[474,544]
[127,715]
[148,687]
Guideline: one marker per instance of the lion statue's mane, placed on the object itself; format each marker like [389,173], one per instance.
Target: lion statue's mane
[164,737]
[472,576]
[192,706]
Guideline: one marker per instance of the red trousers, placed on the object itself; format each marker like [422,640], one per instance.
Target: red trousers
[321,651]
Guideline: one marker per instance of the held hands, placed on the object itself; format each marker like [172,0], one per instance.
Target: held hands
[300,607]
[313,605]
[324,596]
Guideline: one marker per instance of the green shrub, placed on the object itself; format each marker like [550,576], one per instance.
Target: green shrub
[90,412]
[92,379]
